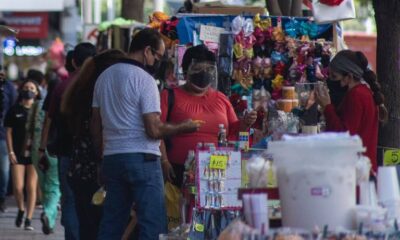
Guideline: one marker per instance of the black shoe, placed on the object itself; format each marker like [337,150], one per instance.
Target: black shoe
[18,220]
[46,229]
[3,207]
[28,225]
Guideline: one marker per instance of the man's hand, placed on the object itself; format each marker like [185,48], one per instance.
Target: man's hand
[156,129]
[190,126]
[168,171]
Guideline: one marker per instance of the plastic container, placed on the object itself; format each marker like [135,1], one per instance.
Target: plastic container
[285,105]
[317,179]
[388,184]
[288,92]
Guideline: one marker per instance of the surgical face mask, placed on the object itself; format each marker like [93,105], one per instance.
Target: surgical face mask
[27,95]
[201,79]
[203,74]
[153,69]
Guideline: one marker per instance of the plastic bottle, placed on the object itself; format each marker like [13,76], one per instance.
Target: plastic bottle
[222,141]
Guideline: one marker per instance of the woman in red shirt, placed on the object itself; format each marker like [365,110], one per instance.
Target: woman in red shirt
[363,105]
[197,100]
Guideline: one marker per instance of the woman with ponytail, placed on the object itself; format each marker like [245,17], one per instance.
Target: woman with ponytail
[362,108]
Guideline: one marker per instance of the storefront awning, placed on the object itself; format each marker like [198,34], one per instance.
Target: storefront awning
[31,5]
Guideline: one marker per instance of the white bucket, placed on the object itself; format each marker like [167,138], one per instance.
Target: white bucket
[317,179]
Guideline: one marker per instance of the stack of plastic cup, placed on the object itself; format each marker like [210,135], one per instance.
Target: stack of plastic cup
[388,191]
[388,184]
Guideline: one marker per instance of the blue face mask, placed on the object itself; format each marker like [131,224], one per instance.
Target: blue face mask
[27,95]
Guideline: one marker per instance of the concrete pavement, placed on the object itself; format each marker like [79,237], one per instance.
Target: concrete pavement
[8,230]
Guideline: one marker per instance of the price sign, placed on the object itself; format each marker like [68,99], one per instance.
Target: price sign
[391,157]
[218,162]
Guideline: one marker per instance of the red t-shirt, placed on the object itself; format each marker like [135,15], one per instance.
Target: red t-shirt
[357,114]
[214,108]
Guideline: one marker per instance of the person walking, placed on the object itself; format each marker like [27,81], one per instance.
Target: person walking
[64,141]
[8,96]
[126,116]
[76,107]
[20,126]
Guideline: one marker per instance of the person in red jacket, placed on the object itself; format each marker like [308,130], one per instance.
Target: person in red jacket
[363,105]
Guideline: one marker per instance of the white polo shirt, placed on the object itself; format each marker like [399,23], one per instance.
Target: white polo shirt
[124,92]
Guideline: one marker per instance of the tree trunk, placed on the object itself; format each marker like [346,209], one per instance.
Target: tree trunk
[133,9]
[387,19]
[273,8]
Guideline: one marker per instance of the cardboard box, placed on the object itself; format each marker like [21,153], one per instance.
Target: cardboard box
[218,8]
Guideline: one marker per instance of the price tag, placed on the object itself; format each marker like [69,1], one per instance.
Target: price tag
[199,227]
[218,162]
[391,157]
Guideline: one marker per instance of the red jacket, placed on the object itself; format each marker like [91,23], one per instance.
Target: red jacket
[357,114]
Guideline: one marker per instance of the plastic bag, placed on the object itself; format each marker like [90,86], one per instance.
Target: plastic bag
[99,196]
[172,199]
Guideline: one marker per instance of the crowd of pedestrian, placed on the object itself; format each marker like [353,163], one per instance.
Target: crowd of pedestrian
[65,137]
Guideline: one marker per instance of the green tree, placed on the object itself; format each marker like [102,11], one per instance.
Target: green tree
[133,9]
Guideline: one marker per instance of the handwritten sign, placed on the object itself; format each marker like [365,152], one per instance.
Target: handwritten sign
[210,33]
[218,162]
[391,157]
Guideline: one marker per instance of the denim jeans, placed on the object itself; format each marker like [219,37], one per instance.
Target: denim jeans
[69,218]
[133,178]
[4,169]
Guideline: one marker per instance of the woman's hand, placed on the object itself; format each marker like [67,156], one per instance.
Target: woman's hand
[322,96]
[250,118]
[12,158]
[168,171]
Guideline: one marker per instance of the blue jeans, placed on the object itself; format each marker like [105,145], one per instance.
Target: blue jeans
[133,178]
[4,169]
[69,218]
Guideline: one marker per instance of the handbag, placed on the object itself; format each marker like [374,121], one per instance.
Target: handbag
[327,11]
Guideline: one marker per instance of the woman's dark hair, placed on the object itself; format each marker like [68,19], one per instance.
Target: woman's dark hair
[35,75]
[143,38]
[82,51]
[199,53]
[370,77]
[68,61]
[77,100]
[21,87]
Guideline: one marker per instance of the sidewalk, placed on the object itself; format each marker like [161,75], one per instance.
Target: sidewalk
[8,231]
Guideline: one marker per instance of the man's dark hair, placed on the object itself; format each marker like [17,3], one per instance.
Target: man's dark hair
[199,53]
[68,61]
[35,75]
[143,38]
[82,51]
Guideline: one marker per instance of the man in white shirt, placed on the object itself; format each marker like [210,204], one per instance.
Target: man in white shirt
[126,119]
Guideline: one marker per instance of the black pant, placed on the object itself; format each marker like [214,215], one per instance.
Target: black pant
[89,215]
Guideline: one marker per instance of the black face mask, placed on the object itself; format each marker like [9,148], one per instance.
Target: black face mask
[201,79]
[27,95]
[153,69]
[336,91]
